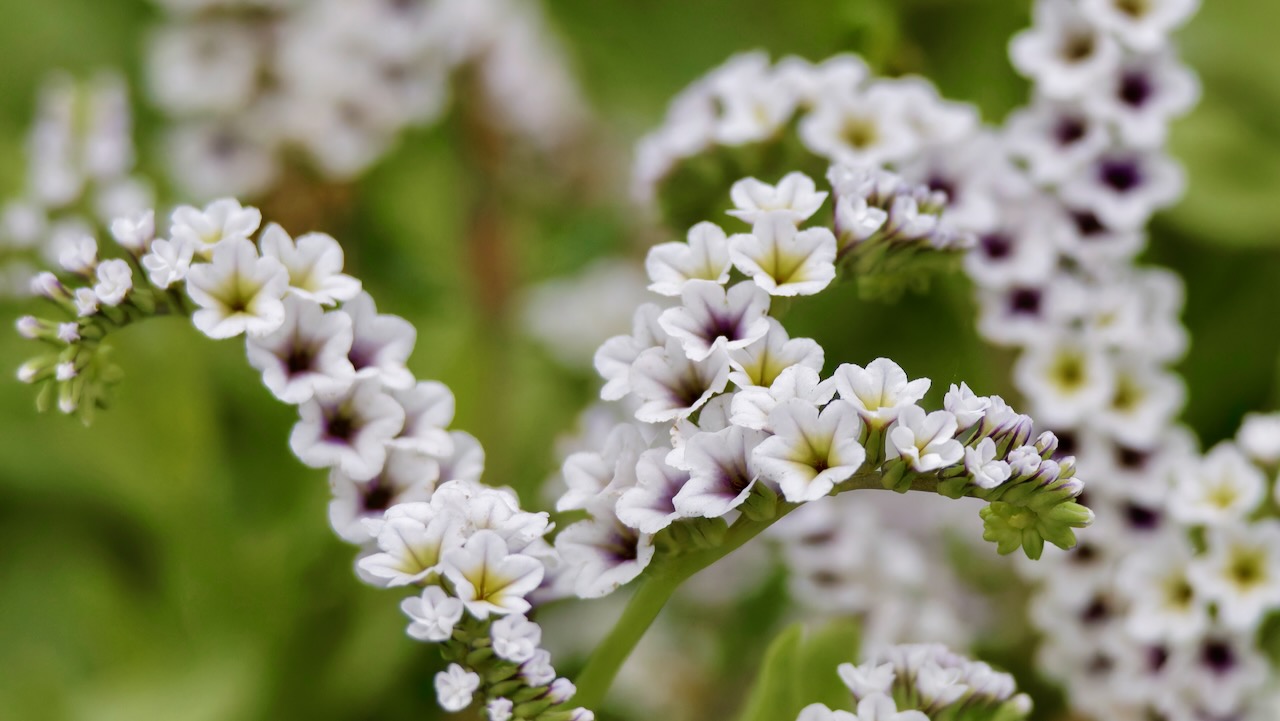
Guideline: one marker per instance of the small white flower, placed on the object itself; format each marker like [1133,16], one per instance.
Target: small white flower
[820,712]
[711,318]
[168,262]
[1166,604]
[939,686]
[1241,573]
[65,371]
[220,220]
[406,477]
[783,260]
[348,429]
[867,679]
[590,474]
[880,391]
[880,707]
[515,638]
[1259,438]
[1063,52]
[603,553]
[499,709]
[1143,25]
[455,687]
[965,405]
[86,302]
[649,506]
[69,332]
[381,343]
[614,358]
[238,292]
[488,579]
[305,355]
[1144,95]
[981,463]
[762,362]
[1024,461]
[538,671]
[136,233]
[428,411]
[671,386]
[794,195]
[115,280]
[926,442]
[412,539]
[751,406]
[1054,139]
[811,452]
[561,690]
[1222,489]
[314,262]
[867,128]
[1125,187]
[1067,380]
[856,220]
[79,255]
[704,257]
[432,615]
[721,472]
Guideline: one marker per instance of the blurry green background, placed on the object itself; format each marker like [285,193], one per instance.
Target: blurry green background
[174,561]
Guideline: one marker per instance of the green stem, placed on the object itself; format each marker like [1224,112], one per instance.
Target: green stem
[666,574]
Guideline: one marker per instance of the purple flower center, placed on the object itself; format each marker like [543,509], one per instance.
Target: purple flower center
[996,245]
[1120,174]
[1136,88]
[1025,301]
[1069,130]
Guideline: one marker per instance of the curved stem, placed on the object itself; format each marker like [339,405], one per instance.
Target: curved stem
[663,578]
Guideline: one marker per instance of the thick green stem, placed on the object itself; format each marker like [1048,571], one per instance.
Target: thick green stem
[662,579]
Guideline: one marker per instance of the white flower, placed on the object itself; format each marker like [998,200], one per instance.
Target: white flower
[1067,380]
[488,579]
[762,362]
[314,262]
[1064,53]
[412,540]
[1125,187]
[880,707]
[590,474]
[115,280]
[1014,251]
[868,128]
[981,463]
[721,472]
[1144,95]
[1222,489]
[649,506]
[86,302]
[428,411]
[432,615]
[238,292]
[348,429]
[795,195]
[965,405]
[704,257]
[1024,461]
[783,260]
[672,386]
[515,638]
[455,687]
[305,355]
[1241,573]
[1054,139]
[1259,438]
[220,220]
[78,254]
[751,406]
[711,318]
[880,391]
[820,712]
[867,679]
[499,709]
[135,233]
[603,553]
[1166,605]
[538,671]
[381,343]
[168,262]
[1143,25]
[406,477]
[811,452]
[615,356]
[1147,398]
[926,442]
[492,509]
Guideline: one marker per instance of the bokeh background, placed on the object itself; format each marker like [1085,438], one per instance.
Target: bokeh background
[173,561]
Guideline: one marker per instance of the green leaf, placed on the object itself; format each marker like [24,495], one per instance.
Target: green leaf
[799,670]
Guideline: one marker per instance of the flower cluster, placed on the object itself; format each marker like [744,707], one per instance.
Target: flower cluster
[246,82]
[80,157]
[923,682]
[698,451]
[405,487]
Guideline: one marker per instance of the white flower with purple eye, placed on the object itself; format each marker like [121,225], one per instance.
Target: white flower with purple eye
[305,355]
[760,363]
[603,553]
[1222,489]
[1144,94]
[721,472]
[704,257]
[412,539]
[783,260]
[466,462]
[880,391]
[488,578]
[614,358]
[711,318]
[168,262]
[456,687]
[751,406]
[671,386]
[433,615]
[515,638]
[1054,139]
[795,195]
[314,262]
[348,429]
[811,452]
[1064,53]
[1125,187]
[982,465]
[1241,573]
[238,292]
[925,442]
[1144,25]
[115,280]
[649,506]
[590,474]
[406,477]
[965,405]
[220,220]
[428,411]
[381,343]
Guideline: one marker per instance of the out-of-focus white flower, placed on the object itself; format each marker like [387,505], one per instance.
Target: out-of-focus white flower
[1241,573]
[115,280]
[221,220]
[515,638]
[1065,53]
[168,262]
[1221,489]
[455,687]
[704,256]
[794,195]
[1143,25]
[381,343]
[649,506]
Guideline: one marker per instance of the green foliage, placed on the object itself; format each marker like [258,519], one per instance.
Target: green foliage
[800,669]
